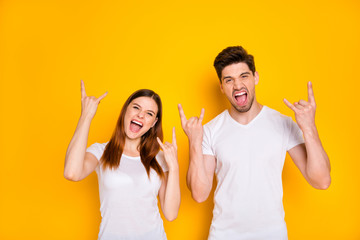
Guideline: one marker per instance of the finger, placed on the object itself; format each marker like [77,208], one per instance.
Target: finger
[182,114]
[303,103]
[287,103]
[311,97]
[174,137]
[101,97]
[202,115]
[192,120]
[298,106]
[160,143]
[83,93]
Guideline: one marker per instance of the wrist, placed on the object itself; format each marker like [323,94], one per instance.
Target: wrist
[195,141]
[173,168]
[84,118]
[310,132]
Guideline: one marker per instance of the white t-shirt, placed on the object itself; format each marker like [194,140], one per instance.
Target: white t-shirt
[128,199]
[250,159]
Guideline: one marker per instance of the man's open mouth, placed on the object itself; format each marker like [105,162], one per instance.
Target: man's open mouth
[241,97]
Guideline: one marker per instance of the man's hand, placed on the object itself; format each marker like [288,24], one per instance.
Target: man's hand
[193,127]
[304,110]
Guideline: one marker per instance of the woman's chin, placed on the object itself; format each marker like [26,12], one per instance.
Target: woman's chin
[134,135]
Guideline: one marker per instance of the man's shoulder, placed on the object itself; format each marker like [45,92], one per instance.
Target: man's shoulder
[272,113]
[216,121]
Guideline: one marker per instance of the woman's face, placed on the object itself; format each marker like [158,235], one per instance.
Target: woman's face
[140,116]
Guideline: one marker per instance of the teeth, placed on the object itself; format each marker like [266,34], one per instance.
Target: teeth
[136,122]
[240,94]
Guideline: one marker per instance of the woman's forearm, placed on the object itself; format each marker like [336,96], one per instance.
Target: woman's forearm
[172,195]
[75,154]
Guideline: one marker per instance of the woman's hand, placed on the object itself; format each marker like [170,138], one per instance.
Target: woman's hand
[78,164]
[170,152]
[169,193]
[89,104]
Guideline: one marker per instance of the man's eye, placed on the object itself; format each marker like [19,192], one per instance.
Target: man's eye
[244,76]
[228,80]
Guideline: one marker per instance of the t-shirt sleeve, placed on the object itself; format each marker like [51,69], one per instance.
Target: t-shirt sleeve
[97,149]
[206,143]
[295,134]
[161,160]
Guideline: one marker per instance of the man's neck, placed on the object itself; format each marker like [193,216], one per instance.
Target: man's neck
[246,117]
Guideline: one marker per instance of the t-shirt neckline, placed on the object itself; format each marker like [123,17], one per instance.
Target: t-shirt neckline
[251,122]
[132,158]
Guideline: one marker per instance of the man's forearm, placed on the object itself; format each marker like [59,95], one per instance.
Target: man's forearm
[197,180]
[318,164]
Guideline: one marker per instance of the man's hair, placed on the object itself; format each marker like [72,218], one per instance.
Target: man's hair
[231,55]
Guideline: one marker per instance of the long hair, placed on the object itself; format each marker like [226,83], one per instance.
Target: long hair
[149,146]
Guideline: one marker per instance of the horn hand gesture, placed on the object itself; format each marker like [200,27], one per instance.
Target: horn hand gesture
[170,152]
[89,104]
[304,110]
[192,127]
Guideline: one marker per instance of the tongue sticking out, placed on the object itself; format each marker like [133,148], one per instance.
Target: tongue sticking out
[241,100]
[134,127]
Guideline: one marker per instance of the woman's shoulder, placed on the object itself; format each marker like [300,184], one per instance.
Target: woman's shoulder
[97,149]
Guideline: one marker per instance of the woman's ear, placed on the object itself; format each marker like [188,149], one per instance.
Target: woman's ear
[154,122]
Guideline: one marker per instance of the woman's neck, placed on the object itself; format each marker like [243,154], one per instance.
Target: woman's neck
[132,147]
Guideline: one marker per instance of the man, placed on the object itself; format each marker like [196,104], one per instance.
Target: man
[245,147]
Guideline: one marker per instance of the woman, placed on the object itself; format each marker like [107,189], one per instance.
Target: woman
[131,170]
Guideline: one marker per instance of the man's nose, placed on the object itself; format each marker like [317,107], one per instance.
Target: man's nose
[238,84]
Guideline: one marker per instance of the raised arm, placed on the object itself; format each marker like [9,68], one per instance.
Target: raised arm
[310,158]
[201,170]
[169,193]
[78,163]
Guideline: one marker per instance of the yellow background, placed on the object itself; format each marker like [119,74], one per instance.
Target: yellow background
[46,47]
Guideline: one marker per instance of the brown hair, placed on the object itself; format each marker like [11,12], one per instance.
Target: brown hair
[149,146]
[231,55]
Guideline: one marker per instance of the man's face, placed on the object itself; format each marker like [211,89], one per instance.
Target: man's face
[238,84]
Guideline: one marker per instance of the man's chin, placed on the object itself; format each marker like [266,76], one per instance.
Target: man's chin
[243,109]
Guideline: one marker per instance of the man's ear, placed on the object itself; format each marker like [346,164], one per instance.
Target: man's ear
[256,75]
[154,122]
[221,87]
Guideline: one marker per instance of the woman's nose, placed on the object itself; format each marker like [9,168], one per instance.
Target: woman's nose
[141,114]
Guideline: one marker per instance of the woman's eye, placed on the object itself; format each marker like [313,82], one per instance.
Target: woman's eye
[150,114]
[136,107]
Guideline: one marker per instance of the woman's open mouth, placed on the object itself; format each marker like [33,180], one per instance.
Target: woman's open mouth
[135,126]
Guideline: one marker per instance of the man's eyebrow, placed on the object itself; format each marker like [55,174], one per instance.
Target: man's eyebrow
[244,73]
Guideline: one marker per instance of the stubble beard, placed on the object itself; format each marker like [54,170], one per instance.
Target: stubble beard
[244,109]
